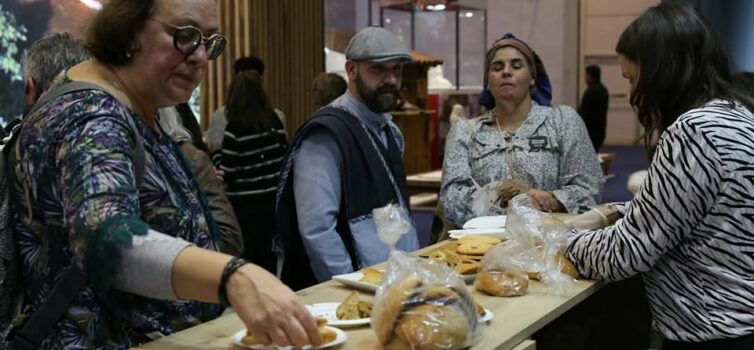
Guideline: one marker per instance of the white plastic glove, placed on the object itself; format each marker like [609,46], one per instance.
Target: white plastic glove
[599,217]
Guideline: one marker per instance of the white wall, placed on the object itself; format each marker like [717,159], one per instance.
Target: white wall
[603,21]
[568,35]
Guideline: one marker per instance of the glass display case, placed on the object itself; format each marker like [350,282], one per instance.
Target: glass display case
[452,32]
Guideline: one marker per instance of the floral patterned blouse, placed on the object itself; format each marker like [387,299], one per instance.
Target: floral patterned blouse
[77,158]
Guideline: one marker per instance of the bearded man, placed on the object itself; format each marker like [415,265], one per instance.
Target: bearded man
[345,161]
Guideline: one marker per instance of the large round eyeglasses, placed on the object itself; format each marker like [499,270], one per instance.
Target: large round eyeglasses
[187,39]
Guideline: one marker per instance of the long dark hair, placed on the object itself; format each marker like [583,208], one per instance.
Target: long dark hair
[682,65]
[249,105]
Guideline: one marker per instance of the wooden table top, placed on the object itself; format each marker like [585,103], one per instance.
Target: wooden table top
[431,179]
[515,318]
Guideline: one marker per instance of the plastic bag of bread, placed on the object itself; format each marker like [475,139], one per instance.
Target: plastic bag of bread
[503,270]
[424,305]
[535,240]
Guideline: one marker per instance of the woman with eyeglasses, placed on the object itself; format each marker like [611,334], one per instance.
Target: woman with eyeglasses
[103,190]
[688,231]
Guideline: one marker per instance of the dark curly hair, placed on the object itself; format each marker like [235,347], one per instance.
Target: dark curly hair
[111,34]
[682,65]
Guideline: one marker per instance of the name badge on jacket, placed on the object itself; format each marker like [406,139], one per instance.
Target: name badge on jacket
[537,143]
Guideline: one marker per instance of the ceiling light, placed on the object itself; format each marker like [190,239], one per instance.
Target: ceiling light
[92,4]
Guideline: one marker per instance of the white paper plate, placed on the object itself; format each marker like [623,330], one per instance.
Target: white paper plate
[488,316]
[497,221]
[327,311]
[339,339]
[353,280]
[495,232]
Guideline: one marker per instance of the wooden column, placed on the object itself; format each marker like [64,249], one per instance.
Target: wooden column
[287,35]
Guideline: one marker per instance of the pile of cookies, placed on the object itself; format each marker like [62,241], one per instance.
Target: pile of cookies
[464,254]
[476,245]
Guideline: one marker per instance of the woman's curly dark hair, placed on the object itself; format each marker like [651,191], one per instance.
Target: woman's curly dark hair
[112,32]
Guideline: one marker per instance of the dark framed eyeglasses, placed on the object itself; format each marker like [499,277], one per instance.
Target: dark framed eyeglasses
[187,39]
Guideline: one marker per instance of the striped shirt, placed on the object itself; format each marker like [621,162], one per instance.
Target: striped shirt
[251,161]
[690,228]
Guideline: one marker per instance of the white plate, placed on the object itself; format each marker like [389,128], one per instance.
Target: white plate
[353,280]
[327,311]
[495,232]
[340,338]
[497,221]
[488,316]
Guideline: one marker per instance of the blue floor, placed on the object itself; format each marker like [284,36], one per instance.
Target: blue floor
[628,159]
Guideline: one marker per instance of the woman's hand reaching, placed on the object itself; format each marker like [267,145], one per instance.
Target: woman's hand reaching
[271,311]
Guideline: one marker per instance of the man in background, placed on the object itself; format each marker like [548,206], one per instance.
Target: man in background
[593,107]
[44,60]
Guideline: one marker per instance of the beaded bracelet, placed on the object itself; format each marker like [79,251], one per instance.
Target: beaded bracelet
[229,269]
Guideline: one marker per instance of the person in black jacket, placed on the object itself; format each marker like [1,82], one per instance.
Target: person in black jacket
[593,107]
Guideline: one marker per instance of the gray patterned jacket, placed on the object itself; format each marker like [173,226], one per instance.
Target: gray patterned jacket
[550,151]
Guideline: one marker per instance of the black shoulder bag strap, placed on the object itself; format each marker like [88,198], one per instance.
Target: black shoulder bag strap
[39,324]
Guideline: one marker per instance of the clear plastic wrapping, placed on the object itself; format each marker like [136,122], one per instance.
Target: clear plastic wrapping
[422,305]
[532,251]
[392,222]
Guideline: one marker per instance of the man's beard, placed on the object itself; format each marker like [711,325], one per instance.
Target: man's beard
[381,100]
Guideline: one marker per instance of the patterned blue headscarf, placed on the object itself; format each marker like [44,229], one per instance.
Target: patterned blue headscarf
[543,89]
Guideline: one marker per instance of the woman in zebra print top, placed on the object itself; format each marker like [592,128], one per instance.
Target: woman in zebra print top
[690,229]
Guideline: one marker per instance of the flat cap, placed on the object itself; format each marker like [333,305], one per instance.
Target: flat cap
[375,44]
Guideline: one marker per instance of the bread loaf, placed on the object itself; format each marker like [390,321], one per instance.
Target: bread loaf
[424,317]
[502,282]
[430,327]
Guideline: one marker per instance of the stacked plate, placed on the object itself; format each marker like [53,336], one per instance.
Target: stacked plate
[483,225]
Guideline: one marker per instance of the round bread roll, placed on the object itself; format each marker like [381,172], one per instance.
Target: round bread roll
[431,327]
[385,315]
[566,266]
[428,293]
[443,295]
[502,282]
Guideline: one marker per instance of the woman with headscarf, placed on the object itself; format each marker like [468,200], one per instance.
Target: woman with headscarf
[520,145]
